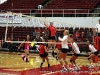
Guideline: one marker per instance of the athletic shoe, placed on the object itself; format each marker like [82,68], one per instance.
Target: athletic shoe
[70,69]
[27,60]
[76,68]
[40,66]
[91,66]
[23,57]
[64,69]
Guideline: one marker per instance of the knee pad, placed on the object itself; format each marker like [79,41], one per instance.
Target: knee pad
[71,60]
[74,61]
[93,60]
[89,58]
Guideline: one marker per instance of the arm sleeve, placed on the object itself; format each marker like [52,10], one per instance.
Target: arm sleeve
[62,39]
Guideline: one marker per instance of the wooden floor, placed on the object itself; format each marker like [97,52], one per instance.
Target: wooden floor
[12,62]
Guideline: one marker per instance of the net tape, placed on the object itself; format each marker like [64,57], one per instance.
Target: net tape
[41,42]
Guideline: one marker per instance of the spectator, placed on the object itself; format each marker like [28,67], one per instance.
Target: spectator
[15,46]
[97,28]
[38,38]
[9,45]
[34,34]
[82,36]
[77,35]
[89,34]
[94,32]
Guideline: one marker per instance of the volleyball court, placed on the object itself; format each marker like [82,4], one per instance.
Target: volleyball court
[29,60]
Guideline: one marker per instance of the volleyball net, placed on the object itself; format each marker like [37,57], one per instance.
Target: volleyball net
[18,26]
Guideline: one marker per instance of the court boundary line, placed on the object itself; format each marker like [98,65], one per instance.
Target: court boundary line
[50,73]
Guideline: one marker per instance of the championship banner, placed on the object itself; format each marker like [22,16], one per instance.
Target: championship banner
[10,18]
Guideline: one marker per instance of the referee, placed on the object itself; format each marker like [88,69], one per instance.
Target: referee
[97,28]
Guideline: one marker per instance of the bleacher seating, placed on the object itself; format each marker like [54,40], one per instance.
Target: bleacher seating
[21,32]
[82,5]
[78,7]
[72,4]
[22,6]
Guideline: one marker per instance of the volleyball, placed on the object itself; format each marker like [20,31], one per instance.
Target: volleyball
[32,44]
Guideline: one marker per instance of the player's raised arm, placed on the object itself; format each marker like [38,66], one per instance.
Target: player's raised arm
[45,22]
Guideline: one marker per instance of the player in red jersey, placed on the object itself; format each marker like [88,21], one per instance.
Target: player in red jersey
[26,48]
[52,35]
[43,53]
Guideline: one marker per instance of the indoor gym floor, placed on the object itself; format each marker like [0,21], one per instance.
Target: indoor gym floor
[12,64]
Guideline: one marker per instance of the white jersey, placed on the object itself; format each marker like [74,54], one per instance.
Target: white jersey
[92,49]
[75,48]
[64,41]
[98,28]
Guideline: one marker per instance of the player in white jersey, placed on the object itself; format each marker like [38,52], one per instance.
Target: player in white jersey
[97,28]
[64,49]
[92,54]
[75,53]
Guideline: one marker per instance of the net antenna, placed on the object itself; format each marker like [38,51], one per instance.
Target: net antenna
[6,26]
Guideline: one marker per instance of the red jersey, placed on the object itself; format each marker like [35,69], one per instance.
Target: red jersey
[58,46]
[69,45]
[27,45]
[42,50]
[52,31]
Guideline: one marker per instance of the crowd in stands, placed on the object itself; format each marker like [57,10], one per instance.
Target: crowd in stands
[77,33]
